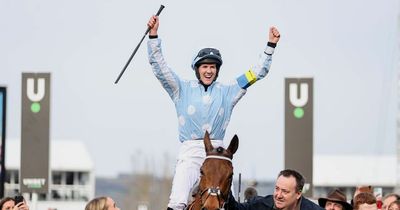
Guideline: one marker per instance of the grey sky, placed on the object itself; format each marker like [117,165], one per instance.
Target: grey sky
[351,48]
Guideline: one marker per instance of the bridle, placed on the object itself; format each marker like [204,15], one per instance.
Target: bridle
[215,191]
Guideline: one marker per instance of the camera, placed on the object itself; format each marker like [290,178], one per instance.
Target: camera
[18,199]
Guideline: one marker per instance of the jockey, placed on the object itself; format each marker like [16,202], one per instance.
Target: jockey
[201,105]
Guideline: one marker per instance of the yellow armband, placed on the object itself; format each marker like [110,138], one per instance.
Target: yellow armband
[246,79]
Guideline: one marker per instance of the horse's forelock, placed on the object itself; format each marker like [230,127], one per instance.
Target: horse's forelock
[220,151]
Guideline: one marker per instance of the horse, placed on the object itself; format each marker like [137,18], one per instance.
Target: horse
[216,175]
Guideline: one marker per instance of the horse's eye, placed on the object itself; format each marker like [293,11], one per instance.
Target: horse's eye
[201,172]
[230,176]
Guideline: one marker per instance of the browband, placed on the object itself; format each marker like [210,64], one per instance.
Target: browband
[219,157]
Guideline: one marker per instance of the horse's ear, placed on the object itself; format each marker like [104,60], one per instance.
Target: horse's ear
[207,143]
[233,146]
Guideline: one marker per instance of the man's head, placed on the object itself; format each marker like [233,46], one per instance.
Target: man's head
[288,188]
[395,205]
[388,199]
[363,188]
[206,64]
[365,201]
[250,193]
[336,200]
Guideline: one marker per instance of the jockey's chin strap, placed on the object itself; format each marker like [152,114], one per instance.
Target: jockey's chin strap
[215,191]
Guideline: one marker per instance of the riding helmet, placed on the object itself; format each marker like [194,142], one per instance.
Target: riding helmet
[207,55]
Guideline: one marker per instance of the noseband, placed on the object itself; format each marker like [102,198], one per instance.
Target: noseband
[215,191]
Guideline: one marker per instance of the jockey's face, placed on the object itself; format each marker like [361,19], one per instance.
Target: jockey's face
[207,73]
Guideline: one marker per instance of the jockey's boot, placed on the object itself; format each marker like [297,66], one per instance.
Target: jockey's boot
[169,208]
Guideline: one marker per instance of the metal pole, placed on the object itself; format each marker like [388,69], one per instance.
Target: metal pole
[240,183]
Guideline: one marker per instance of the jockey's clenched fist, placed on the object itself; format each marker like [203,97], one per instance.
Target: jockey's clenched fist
[274,35]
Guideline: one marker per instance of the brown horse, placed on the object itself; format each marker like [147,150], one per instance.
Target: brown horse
[216,175]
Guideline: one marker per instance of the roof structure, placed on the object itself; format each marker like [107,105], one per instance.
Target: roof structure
[355,170]
[65,155]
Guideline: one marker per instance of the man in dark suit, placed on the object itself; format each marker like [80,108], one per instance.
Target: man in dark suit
[287,196]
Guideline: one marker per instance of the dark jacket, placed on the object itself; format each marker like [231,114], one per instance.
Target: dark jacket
[267,203]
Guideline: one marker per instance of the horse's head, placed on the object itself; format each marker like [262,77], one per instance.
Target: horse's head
[216,174]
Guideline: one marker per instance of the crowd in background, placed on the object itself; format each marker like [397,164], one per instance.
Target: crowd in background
[13,203]
[363,199]
[287,196]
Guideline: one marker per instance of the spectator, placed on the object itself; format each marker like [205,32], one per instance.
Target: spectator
[395,205]
[336,200]
[388,199]
[365,201]
[249,194]
[287,196]
[101,203]
[7,203]
[360,189]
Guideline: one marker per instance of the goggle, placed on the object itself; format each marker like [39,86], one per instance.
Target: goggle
[208,51]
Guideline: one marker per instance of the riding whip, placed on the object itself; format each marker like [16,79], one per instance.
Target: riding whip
[137,47]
